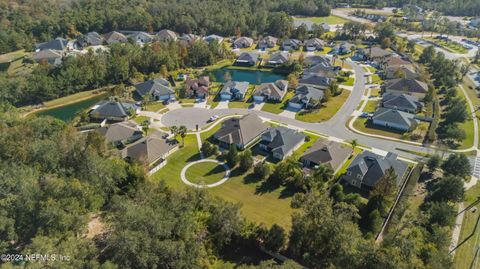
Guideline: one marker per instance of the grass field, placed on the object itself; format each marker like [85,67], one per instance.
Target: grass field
[468,125]
[258,205]
[362,125]
[154,106]
[376,79]
[205,173]
[371,106]
[8,57]
[470,233]
[328,20]
[140,119]
[448,45]
[326,112]
[277,108]
[469,87]
[349,81]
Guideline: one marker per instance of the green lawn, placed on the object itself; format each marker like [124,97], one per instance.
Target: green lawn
[239,104]
[470,232]
[156,106]
[468,125]
[349,81]
[8,57]
[329,20]
[362,125]
[259,206]
[372,69]
[205,173]
[343,168]
[448,45]
[326,112]
[299,152]
[140,119]
[206,135]
[325,51]
[376,79]
[277,108]
[371,106]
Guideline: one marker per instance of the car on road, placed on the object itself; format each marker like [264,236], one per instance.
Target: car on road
[213,118]
[364,115]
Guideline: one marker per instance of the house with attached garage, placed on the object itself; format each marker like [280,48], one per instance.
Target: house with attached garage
[304,95]
[166,36]
[317,81]
[156,89]
[53,57]
[329,153]
[273,91]
[291,44]
[314,44]
[241,132]
[115,37]
[120,133]
[394,119]
[368,168]
[151,150]
[188,39]
[281,142]
[342,49]
[407,86]
[247,59]
[310,26]
[142,37]
[267,42]
[402,102]
[278,58]
[234,90]
[197,88]
[112,110]
[242,42]
[373,54]
[394,72]
[90,39]
[58,44]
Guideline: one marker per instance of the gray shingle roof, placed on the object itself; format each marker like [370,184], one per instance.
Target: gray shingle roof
[406,85]
[119,131]
[304,94]
[241,131]
[234,87]
[115,37]
[279,57]
[243,41]
[248,57]
[401,101]
[317,42]
[56,44]
[156,87]
[47,55]
[373,167]
[167,35]
[327,152]
[275,89]
[112,109]
[149,149]
[316,81]
[283,140]
[394,116]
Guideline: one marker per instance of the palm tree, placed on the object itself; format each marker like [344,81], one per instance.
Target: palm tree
[182,130]
[174,131]
[145,126]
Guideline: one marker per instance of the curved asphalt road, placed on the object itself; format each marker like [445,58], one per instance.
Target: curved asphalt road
[335,127]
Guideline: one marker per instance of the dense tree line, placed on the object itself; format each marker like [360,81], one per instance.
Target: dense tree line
[24,23]
[96,69]
[449,7]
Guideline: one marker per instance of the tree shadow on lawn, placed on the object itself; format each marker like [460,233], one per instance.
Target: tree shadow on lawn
[216,170]
[193,158]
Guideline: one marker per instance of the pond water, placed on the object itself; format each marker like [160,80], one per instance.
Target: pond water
[253,77]
[68,112]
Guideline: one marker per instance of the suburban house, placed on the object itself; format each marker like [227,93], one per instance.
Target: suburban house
[247,59]
[113,110]
[274,91]
[197,88]
[316,81]
[158,89]
[408,86]
[330,153]
[291,44]
[241,132]
[368,168]
[58,44]
[242,42]
[151,150]
[234,90]
[267,42]
[278,58]
[115,37]
[211,38]
[121,133]
[281,142]
[394,119]
[304,95]
[166,35]
[403,102]
[475,22]
[374,54]
[91,39]
[142,37]
[53,57]
[394,72]
[343,48]
[188,39]
[396,61]
[314,44]
[317,59]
